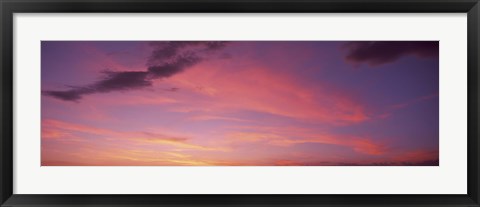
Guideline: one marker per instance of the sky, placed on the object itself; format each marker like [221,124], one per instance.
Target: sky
[239,103]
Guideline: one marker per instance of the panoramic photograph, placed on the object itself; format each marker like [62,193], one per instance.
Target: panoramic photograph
[239,103]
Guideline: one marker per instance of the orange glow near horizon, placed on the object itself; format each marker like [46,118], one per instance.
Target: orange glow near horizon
[252,103]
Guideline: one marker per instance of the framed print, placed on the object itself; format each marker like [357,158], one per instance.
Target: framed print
[239,103]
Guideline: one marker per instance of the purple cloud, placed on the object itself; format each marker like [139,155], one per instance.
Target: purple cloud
[383,52]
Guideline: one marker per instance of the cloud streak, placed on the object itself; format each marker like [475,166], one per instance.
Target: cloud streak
[273,103]
[56,129]
[215,89]
[166,60]
[288,136]
[377,53]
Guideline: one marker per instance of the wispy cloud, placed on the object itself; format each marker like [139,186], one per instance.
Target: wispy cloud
[56,129]
[264,90]
[288,136]
[398,106]
[414,101]
[268,103]
[167,59]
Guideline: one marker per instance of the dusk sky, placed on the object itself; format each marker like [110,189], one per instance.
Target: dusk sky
[239,103]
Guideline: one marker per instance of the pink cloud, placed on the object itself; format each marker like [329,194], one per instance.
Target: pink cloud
[288,136]
[57,129]
[266,91]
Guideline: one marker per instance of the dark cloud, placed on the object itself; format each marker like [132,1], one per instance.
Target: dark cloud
[117,81]
[168,51]
[113,81]
[383,52]
[178,65]
[69,95]
[166,60]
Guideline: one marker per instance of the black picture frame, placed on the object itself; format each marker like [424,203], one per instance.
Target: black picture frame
[9,7]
